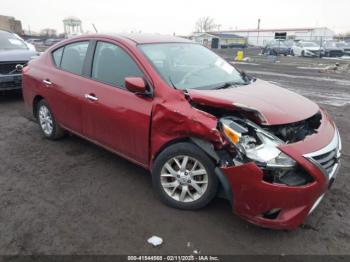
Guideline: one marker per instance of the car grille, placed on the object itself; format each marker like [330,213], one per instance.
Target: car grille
[316,52]
[10,85]
[327,159]
[9,67]
[335,53]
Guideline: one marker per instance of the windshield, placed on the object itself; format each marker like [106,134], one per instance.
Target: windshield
[9,41]
[309,44]
[191,66]
[342,45]
[278,44]
[331,44]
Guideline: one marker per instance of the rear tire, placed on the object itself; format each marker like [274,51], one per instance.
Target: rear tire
[48,125]
[183,177]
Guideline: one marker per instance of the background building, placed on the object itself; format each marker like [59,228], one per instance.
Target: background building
[49,32]
[219,40]
[9,23]
[262,36]
[72,26]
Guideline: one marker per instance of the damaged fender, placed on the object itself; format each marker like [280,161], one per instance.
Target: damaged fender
[172,121]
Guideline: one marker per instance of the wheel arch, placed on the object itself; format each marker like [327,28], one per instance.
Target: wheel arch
[36,101]
[204,145]
[164,146]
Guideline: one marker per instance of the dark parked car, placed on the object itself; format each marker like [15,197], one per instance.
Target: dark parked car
[331,49]
[13,51]
[199,125]
[345,46]
[52,41]
[35,41]
[276,47]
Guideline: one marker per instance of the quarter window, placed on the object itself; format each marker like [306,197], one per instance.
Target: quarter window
[57,56]
[112,64]
[74,56]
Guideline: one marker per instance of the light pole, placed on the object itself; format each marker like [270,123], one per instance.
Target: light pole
[257,39]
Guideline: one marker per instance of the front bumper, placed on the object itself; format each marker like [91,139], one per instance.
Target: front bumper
[314,53]
[334,53]
[10,82]
[252,197]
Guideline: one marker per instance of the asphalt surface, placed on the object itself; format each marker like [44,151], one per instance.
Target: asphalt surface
[72,197]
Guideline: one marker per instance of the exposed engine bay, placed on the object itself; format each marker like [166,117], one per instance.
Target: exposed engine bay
[295,132]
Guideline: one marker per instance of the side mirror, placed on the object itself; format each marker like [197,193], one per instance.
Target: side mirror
[135,85]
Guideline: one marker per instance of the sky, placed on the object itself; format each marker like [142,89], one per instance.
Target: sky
[179,16]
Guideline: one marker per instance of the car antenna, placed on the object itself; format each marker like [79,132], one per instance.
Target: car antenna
[93,25]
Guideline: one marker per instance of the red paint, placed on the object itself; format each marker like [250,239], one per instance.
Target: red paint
[135,84]
[139,127]
[277,105]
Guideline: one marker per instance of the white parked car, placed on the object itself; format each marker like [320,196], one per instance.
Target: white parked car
[310,49]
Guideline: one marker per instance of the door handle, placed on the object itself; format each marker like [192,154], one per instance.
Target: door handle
[91,97]
[47,82]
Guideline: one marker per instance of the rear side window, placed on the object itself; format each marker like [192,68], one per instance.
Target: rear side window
[74,56]
[57,56]
[112,64]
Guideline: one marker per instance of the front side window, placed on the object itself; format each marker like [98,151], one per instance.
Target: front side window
[187,66]
[112,65]
[74,56]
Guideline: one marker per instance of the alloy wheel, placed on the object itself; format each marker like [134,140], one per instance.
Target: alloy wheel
[184,178]
[45,120]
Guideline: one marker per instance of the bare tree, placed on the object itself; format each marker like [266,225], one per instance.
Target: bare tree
[205,24]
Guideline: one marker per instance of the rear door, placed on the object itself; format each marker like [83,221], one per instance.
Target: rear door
[66,84]
[113,116]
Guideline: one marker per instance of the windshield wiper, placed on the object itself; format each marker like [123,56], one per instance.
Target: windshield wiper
[171,82]
[229,84]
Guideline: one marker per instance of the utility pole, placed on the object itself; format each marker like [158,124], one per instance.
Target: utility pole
[218,27]
[257,39]
[93,25]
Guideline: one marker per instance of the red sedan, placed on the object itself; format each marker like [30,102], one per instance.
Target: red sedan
[200,126]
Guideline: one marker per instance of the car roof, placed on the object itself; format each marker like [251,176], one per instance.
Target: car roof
[140,38]
[153,38]
[5,32]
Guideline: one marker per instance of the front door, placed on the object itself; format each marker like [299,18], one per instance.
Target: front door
[113,116]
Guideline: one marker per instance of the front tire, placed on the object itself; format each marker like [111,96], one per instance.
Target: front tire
[183,176]
[48,125]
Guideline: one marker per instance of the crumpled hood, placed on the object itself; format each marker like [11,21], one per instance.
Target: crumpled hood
[274,104]
[16,55]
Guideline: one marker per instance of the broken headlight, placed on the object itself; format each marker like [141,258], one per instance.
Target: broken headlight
[254,143]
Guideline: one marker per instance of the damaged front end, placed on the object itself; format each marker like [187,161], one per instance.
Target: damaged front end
[272,184]
[261,152]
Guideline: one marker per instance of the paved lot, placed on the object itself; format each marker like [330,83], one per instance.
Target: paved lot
[72,197]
